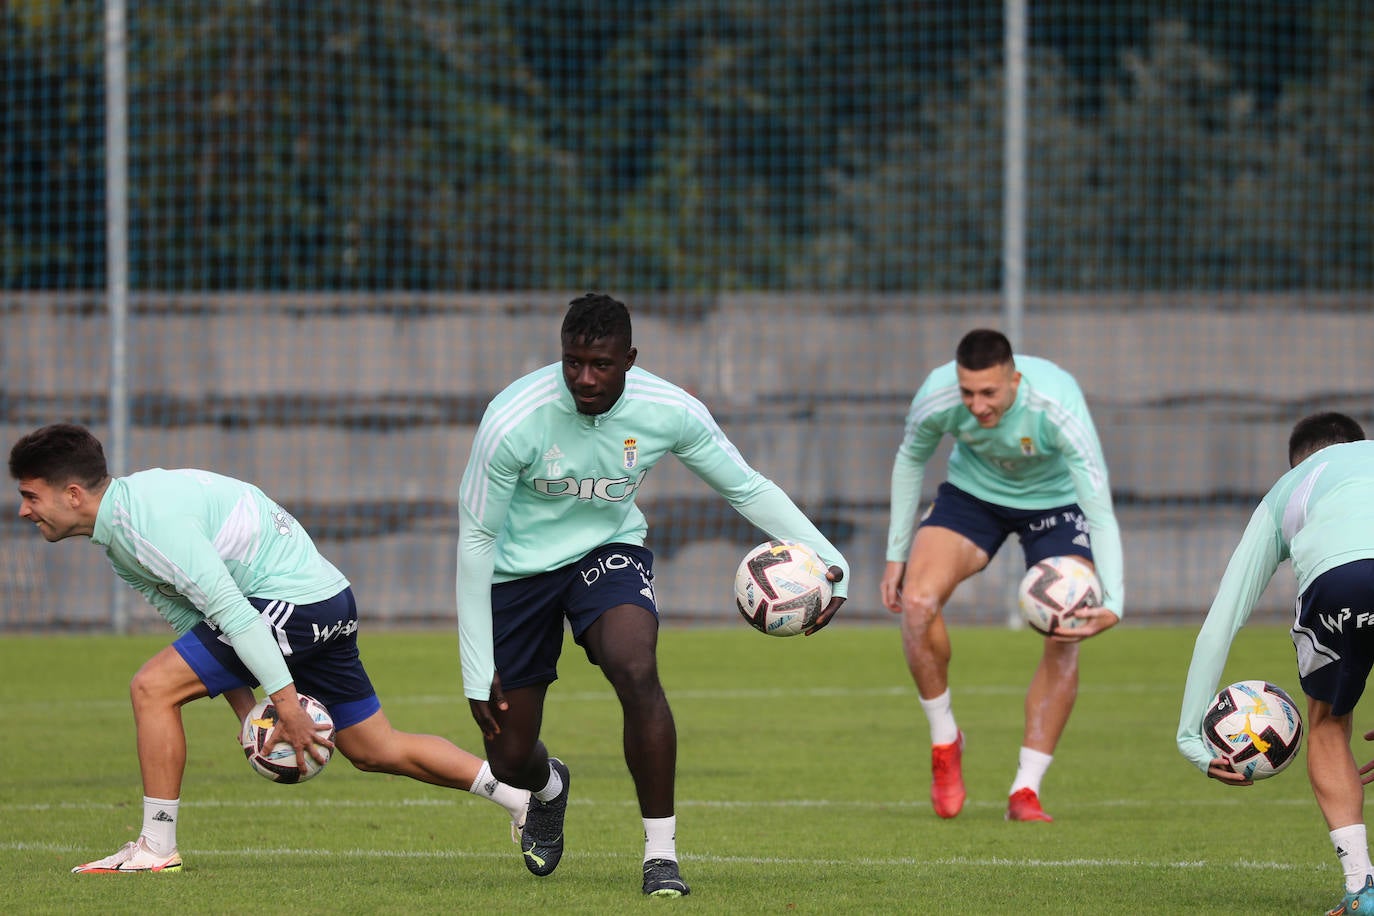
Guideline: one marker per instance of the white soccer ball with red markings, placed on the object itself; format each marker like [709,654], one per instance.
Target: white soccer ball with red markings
[1255,727]
[276,760]
[1053,589]
[781,588]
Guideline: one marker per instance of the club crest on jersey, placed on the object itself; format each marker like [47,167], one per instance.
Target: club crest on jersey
[631,454]
[1027,446]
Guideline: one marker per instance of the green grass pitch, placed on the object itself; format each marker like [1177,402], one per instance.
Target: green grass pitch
[803,773]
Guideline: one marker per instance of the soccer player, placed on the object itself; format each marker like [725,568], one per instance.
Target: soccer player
[1026,460]
[549,529]
[255,604]
[1319,515]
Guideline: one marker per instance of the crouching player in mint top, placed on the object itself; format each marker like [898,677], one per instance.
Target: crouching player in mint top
[549,529]
[255,604]
[1026,460]
[1319,515]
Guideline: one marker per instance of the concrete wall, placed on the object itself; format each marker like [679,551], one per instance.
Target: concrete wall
[357,414]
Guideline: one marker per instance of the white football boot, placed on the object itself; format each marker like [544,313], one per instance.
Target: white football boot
[132,857]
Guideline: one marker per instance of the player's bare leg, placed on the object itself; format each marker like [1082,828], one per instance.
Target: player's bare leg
[241,700]
[1053,691]
[1332,770]
[624,642]
[1049,702]
[940,559]
[516,755]
[375,746]
[157,692]
[925,642]
[518,758]
[1331,766]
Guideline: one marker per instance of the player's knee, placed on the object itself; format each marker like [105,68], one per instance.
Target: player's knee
[139,689]
[634,677]
[369,758]
[919,609]
[635,666]
[372,750]
[147,689]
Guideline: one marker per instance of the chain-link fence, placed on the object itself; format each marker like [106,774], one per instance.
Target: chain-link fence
[349,224]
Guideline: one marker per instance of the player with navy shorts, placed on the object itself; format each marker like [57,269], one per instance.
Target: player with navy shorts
[1026,461]
[319,642]
[256,605]
[528,614]
[1334,635]
[1320,517]
[1056,532]
[549,531]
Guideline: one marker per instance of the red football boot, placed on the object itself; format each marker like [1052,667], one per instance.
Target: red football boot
[947,777]
[1024,805]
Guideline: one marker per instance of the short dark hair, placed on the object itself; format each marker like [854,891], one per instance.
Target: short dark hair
[60,454]
[1315,432]
[982,349]
[595,316]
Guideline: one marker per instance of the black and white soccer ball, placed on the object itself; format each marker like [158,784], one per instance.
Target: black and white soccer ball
[276,760]
[1053,589]
[781,587]
[1255,727]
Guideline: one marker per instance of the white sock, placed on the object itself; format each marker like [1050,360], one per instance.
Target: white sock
[552,787]
[509,797]
[660,838]
[1352,850]
[940,715]
[1031,770]
[160,825]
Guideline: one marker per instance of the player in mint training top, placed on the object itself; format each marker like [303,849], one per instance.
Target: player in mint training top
[255,604]
[1026,461]
[549,529]
[1320,516]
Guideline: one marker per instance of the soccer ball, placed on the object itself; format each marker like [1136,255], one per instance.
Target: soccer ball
[277,761]
[781,588]
[1255,727]
[1053,588]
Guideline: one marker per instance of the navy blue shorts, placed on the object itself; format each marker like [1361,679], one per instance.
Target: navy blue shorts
[527,614]
[1057,532]
[1334,635]
[319,642]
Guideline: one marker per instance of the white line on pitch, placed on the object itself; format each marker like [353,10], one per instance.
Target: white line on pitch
[862,861]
